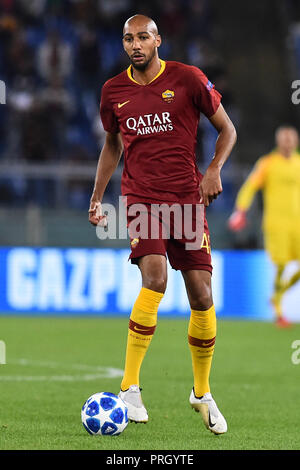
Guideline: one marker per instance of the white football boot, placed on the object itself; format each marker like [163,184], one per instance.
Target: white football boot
[211,415]
[133,400]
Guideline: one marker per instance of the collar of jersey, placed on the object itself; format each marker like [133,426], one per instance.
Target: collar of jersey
[162,68]
[293,155]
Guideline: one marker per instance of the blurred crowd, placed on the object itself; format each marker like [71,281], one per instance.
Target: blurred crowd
[294,31]
[54,57]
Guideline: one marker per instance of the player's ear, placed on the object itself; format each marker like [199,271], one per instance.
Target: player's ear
[158,40]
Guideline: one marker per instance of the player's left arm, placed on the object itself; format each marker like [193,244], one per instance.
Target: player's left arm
[211,185]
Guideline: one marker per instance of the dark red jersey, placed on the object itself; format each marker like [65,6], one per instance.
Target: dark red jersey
[158,123]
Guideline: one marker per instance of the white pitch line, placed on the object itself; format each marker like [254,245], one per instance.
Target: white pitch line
[100,372]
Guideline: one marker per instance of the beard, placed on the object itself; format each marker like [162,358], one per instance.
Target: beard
[145,64]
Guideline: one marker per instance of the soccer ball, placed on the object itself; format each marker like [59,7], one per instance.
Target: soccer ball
[104,414]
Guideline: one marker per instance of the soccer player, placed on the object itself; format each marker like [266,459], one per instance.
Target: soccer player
[278,176]
[152,110]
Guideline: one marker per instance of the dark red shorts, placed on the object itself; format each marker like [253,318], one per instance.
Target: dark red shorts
[167,239]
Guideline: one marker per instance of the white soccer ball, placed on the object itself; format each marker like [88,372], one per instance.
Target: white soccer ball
[104,414]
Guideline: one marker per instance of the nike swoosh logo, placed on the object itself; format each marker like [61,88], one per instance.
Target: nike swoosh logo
[140,330]
[211,425]
[123,104]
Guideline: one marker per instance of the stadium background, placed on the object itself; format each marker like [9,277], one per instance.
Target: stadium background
[65,295]
[54,57]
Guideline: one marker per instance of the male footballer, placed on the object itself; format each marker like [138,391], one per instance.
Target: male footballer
[277,175]
[151,111]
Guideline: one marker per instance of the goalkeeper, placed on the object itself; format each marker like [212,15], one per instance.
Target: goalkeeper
[278,176]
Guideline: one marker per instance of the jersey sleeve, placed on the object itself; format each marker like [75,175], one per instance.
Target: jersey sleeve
[206,98]
[108,117]
[255,181]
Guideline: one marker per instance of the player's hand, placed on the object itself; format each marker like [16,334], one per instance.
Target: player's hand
[96,216]
[237,221]
[210,186]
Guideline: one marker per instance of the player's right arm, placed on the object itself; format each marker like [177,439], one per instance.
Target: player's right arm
[255,181]
[108,161]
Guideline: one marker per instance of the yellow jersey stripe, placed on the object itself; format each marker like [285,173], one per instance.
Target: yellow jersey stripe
[162,69]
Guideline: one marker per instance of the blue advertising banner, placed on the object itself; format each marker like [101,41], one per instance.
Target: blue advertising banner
[102,282]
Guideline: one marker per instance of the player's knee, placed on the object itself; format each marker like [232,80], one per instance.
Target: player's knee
[158,284]
[154,273]
[202,301]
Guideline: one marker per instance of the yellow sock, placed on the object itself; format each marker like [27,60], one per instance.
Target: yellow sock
[142,325]
[201,338]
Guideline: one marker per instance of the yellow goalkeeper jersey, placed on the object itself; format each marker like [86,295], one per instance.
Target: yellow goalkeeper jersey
[279,179]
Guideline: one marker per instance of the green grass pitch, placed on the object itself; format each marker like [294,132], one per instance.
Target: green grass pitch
[52,367]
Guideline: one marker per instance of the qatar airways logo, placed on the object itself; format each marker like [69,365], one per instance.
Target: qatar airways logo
[150,123]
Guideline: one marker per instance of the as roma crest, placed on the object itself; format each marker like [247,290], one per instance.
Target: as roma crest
[168,96]
[134,242]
